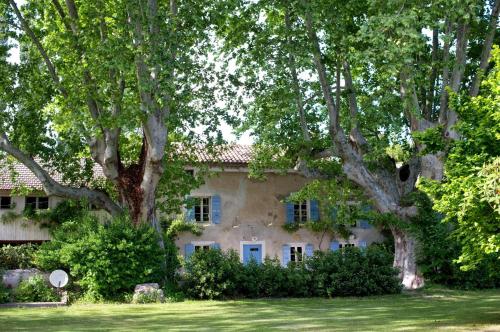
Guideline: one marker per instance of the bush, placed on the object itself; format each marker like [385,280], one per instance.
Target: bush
[5,293]
[35,289]
[17,257]
[214,274]
[105,260]
[438,252]
[354,272]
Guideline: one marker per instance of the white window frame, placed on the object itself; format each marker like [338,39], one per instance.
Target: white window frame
[295,245]
[307,211]
[201,197]
[201,244]
[262,243]
[346,245]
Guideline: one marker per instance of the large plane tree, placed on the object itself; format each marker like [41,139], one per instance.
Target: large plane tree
[348,81]
[114,83]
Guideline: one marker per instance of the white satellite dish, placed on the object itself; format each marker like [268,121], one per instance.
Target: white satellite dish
[58,278]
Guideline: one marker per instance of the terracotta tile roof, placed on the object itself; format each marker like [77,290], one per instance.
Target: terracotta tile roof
[16,175]
[229,154]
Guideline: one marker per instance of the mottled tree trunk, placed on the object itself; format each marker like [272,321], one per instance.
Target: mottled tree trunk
[405,259]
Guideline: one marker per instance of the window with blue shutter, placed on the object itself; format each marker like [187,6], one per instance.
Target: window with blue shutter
[309,250]
[363,223]
[334,246]
[314,208]
[362,244]
[188,250]
[286,254]
[215,246]
[289,212]
[189,209]
[216,209]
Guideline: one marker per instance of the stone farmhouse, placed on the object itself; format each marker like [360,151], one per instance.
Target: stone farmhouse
[236,212]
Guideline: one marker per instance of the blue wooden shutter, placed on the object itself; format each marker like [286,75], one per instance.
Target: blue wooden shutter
[364,224]
[215,246]
[188,250]
[286,254]
[189,210]
[289,212]
[314,207]
[334,246]
[362,244]
[334,213]
[216,209]
[309,250]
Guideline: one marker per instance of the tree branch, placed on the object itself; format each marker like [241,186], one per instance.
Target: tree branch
[61,13]
[457,76]
[320,68]
[486,51]
[429,104]
[356,136]
[52,187]
[443,102]
[295,82]
[41,49]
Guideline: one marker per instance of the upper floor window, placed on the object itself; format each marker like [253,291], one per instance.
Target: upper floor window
[202,209]
[296,253]
[37,203]
[5,202]
[346,245]
[300,212]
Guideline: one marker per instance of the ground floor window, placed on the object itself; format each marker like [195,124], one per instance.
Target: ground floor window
[37,203]
[346,245]
[296,253]
[201,247]
[5,202]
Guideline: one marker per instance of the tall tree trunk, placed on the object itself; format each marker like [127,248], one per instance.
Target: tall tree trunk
[405,259]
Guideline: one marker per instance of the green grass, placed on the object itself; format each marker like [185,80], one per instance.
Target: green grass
[426,310]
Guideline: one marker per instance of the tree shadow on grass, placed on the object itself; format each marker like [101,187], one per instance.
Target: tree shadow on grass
[401,312]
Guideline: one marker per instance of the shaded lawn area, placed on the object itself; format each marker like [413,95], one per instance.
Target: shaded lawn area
[425,310]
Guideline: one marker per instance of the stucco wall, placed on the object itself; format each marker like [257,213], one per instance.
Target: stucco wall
[22,230]
[253,211]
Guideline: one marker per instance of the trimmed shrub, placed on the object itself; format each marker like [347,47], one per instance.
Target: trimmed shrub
[214,274]
[105,260]
[35,289]
[17,257]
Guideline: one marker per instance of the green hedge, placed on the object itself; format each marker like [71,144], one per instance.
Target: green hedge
[215,274]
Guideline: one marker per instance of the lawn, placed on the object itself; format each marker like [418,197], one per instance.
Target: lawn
[426,310]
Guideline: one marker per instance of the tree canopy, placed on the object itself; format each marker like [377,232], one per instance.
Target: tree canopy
[364,86]
[367,91]
[114,83]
